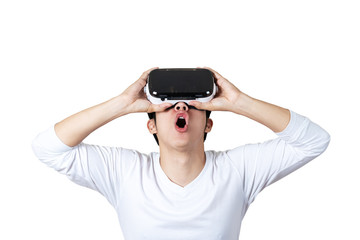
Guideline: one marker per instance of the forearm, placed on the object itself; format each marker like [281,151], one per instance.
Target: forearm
[274,117]
[75,128]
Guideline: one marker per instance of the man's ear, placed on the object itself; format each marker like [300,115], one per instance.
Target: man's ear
[151,126]
[209,124]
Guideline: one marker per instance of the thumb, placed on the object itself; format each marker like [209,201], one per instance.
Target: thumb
[202,105]
[158,107]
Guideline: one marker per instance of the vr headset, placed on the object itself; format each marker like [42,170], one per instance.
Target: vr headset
[172,85]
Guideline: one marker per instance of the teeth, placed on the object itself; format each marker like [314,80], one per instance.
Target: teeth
[181,118]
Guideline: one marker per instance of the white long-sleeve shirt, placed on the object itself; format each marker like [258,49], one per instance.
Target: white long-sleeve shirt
[150,206]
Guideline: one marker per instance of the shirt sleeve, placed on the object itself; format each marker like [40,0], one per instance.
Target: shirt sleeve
[262,164]
[97,167]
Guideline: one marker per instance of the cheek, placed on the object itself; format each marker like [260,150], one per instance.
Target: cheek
[163,123]
[198,121]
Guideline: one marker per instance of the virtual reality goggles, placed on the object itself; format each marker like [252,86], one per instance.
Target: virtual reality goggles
[172,85]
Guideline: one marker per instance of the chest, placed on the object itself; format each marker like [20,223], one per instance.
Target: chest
[213,209]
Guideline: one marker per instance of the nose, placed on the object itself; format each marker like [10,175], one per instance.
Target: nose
[181,106]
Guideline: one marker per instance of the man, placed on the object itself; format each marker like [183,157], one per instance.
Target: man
[181,192]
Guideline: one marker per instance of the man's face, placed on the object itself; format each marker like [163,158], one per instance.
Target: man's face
[180,127]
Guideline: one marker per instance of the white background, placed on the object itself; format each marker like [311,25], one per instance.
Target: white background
[59,57]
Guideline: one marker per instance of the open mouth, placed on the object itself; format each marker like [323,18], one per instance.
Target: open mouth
[181,123]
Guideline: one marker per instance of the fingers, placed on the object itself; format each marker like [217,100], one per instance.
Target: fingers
[202,105]
[158,107]
[144,76]
[216,74]
[139,84]
[149,70]
[218,78]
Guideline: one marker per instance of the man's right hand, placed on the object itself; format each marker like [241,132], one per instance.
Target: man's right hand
[75,128]
[135,99]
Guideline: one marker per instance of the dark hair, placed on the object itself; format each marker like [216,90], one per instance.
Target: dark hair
[152,116]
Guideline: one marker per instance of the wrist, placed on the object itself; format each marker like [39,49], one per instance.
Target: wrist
[117,106]
[243,104]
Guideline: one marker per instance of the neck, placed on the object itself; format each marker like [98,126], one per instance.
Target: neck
[182,167]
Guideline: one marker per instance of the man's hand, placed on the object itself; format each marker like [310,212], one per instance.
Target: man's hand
[75,128]
[135,99]
[230,98]
[226,98]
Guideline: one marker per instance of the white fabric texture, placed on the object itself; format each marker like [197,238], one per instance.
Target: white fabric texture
[150,206]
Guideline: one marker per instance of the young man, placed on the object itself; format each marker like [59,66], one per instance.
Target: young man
[181,192]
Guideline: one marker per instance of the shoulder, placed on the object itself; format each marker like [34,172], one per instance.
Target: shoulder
[222,157]
[233,158]
[229,153]
[134,158]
